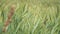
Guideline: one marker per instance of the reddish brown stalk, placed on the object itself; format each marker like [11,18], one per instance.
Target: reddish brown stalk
[10,14]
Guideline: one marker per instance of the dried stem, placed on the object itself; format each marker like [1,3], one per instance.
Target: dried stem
[10,14]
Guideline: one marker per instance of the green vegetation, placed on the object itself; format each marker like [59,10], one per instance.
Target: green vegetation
[31,16]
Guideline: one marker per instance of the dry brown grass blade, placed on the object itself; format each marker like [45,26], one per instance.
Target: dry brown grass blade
[10,14]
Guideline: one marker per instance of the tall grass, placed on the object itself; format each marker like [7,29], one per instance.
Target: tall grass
[31,16]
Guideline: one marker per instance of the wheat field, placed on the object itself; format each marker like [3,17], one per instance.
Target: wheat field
[31,16]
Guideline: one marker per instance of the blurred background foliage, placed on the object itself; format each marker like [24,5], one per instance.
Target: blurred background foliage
[31,16]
